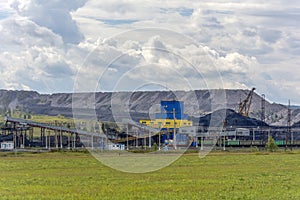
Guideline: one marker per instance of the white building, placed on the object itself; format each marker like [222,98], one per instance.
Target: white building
[7,145]
[189,130]
[116,147]
[242,132]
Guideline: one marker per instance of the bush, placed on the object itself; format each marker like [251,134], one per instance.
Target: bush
[271,146]
[155,147]
[254,149]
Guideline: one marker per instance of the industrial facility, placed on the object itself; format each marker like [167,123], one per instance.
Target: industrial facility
[171,128]
[169,120]
[171,116]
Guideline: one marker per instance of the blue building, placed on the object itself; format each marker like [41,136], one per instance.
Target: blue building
[165,119]
[170,108]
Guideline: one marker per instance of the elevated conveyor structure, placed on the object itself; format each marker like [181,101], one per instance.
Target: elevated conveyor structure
[74,135]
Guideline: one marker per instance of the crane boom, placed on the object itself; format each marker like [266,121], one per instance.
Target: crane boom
[244,106]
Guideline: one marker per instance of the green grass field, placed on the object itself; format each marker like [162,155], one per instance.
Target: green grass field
[77,175]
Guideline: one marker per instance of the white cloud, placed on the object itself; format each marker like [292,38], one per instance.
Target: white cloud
[133,64]
[34,57]
[54,15]
[251,43]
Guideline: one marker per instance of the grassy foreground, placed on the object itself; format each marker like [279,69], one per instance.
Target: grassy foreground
[77,175]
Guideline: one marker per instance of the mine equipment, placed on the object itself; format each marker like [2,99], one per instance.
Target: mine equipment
[244,106]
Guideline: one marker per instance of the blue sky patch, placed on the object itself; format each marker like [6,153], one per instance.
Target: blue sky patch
[185,12]
[118,21]
[4,15]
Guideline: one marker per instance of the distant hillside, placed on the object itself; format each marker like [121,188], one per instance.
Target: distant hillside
[142,104]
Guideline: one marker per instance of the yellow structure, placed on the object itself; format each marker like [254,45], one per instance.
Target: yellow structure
[166,123]
[171,116]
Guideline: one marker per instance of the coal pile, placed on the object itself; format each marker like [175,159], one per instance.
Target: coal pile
[231,119]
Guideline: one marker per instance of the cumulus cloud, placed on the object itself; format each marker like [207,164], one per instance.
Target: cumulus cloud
[248,43]
[33,57]
[22,33]
[39,68]
[39,48]
[54,15]
[129,64]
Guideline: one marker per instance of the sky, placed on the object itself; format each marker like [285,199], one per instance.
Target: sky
[127,45]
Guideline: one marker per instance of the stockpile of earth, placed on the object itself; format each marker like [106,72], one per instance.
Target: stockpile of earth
[228,118]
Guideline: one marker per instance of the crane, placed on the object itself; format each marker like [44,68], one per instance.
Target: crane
[244,106]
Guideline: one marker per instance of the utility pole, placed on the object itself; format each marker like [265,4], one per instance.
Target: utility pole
[92,137]
[149,139]
[46,141]
[202,139]
[61,139]
[224,142]
[263,108]
[49,138]
[289,123]
[224,131]
[127,148]
[159,140]
[24,137]
[263,116]
[74,141]
[15,139]
[136,139]
[69,140]
[159,137]
[174,137]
